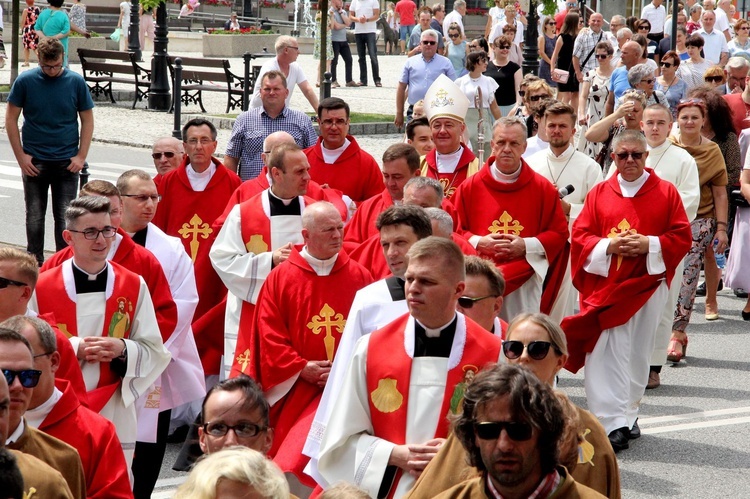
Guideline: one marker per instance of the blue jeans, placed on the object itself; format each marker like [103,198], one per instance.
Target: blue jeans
[64,186]
[367,41]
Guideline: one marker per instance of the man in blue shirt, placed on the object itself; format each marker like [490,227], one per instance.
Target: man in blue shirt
[52,99]
[419,73]
[618,84]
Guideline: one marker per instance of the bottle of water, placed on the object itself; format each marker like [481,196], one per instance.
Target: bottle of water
[720,258]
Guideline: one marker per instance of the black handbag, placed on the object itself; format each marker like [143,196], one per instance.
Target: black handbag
[738,200]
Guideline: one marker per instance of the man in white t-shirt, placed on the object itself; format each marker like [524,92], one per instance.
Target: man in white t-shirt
[287,51]
[456,16]
[365,13]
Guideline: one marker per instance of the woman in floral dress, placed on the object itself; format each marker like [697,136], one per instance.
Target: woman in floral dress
[594,93]
[28,35]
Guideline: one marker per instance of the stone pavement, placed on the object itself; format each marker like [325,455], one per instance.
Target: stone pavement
[119,124]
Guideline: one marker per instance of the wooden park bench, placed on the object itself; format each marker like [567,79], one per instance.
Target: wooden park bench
[102,68]
[210,75]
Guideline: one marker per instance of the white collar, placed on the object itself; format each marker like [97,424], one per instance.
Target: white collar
[13,437]
[339,150]
[321,267]
[447,163]
[286,202]
[505,178]
[35,417]
[435,332]
[564,156]
[205,173]
[661,147]
[91,277]
[630,189]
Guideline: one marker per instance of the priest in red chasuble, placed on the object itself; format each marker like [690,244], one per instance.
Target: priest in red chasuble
[512,216]
[193,197]
[299,318]
[623,258]
[257,236]
[391,416]
[451,162]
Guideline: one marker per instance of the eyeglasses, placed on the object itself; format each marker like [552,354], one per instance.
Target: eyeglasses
[624,155]
[666,65]
[454,36]
[648,81]
[537,350]
[428,42]
[329,123]
[468,302]
[167,154]
[491,430]
[42,355]
[644,28]
[4,283]
[473,46]
[713,79]
[522,92]
[550,23]
[744,28]
[29,378]
[56,67]
[536,98]
[293,48]
[142,198]
[242,430]
[92,234]
[602,56]
[203,142]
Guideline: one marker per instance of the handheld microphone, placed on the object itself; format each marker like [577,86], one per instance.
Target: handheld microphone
[564,191]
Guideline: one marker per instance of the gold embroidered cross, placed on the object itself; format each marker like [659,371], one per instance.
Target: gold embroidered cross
[244,359]
[328,319]
[624,227]
[506,225]
[195,228]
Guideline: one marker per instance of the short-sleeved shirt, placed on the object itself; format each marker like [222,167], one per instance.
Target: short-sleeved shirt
[738,50]
[419,74]
[714,44]
[655,16]
[416,35]
[453,17]
[505,76]
[722,21]
[366,8]
[618,84]
[583,47]
[252,127]
[296,76]
[406,10]
[338,35]
[435,24]
[50,109]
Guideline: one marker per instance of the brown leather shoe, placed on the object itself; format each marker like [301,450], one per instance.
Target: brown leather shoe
[654,380]
[351,84]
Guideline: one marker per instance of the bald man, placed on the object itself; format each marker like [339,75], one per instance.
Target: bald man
[167,153]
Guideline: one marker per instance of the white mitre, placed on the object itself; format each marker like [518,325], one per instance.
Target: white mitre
[445,100]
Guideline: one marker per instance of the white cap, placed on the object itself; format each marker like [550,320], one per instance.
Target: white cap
[444,99]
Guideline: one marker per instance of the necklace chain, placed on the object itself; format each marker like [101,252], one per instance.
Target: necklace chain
[549,167]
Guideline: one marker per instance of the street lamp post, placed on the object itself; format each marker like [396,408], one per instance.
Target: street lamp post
[158,94]
[134,44]
[530,48]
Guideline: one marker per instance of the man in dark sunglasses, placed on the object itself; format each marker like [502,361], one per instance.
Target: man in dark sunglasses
[167,153]
[482,299]
[622,263]
[512,438]
[55,409]
[413,356]
[17,366]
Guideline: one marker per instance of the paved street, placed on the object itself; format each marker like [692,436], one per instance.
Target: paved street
[696,427]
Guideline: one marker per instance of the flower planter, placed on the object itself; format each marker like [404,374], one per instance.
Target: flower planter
[76,42]
[236,45]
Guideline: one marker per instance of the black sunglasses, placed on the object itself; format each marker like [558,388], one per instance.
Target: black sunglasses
[666,64]
[634,155]
[157,155]
[491,430]
[535,98]
[29,378]
[468,302]
[4,283]
[537,350]
[715,79]
[427,42]
[602,56]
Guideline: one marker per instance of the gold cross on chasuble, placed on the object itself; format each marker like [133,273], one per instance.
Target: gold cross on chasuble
[327,320]
[244,359]
[506,225]
[625,229]
[196,227]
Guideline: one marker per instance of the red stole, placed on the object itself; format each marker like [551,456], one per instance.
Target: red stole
[52,295]
[468,165]
[389,371]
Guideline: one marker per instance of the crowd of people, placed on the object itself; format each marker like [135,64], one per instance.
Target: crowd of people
[313,320]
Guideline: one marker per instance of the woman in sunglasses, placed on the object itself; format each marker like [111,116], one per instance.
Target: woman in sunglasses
[537,343]
[546,45]
[740,44]
[642,78]
[457,49]
[711,221]
[594,93]
[669,81]
[506,73]
[515,49]
[644,27]
[714,77]
[627,116]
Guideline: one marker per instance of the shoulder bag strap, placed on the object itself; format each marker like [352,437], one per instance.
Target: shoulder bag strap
[583,64]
